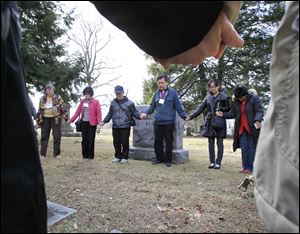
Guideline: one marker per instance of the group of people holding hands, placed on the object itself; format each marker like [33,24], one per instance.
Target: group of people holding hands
[246,109]
[192,32]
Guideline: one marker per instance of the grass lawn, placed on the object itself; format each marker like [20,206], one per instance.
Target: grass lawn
[141,197]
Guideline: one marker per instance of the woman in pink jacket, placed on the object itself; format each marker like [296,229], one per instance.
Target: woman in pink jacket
[89,112]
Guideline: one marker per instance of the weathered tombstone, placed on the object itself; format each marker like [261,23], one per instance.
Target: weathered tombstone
[57,212]
[143,139]
[67,130]
[188,131]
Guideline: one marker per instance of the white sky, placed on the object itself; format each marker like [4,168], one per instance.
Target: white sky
[120,51]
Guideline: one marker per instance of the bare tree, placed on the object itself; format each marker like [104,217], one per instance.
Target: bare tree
[91,44]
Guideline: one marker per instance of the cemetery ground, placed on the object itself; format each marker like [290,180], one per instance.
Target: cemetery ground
[141,197]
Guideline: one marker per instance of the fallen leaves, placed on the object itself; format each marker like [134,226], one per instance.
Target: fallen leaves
[199,208]
[180,208]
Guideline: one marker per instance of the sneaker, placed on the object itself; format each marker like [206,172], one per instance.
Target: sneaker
[156,162]
[57,156]
[211,166]
[168,164]
[124,161]
[217,166]
[247,171]
[116,160]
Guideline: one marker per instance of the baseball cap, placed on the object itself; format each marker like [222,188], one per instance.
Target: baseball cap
[119,89]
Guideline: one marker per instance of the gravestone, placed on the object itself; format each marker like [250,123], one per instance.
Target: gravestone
[56,212]
[143,139]
[67,130]
[189,131]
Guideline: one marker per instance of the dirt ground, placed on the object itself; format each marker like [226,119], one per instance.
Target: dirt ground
[141,197]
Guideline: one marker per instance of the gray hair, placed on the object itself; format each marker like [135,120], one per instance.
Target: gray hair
[49,86]
[253,92]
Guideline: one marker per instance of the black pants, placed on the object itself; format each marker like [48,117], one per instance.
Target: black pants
[121,142]
[47,125]
[211,148]
[23,198]
[161,133]
[88,140]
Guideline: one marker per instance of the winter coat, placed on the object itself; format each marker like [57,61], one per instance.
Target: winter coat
[120,118]
[58,102]
[94,112]
[254,112]
[166,113]
[221,100]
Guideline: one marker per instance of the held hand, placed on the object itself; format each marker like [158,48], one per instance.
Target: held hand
[101,123]
[257,124]
[188,118]
[143,115]
[69,122]
[221,35]
[219,113]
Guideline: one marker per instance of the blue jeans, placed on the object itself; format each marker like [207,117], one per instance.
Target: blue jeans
[248,148]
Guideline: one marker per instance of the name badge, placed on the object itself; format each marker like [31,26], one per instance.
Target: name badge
[161,101]
[85,104]
[49,105]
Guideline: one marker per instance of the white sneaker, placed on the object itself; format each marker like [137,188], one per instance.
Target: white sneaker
[124,161]
[116,160]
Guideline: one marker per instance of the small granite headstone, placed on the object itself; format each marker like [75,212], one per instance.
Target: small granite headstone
[143,139]
[67,130]
[57,212]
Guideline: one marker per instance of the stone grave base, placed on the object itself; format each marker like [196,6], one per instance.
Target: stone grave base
[148,154]
[71,134]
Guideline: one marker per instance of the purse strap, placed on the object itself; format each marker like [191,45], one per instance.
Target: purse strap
[126,113]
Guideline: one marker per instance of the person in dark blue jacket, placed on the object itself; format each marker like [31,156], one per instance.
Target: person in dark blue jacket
[164,104]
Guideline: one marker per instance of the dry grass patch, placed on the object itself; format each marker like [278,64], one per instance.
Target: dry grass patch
[140,197]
